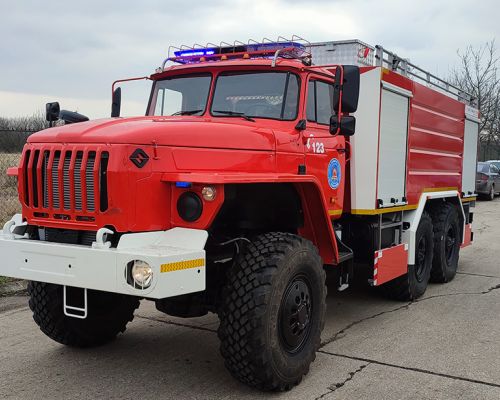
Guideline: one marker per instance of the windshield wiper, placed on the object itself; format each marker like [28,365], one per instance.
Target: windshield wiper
[187,112]
[234,114]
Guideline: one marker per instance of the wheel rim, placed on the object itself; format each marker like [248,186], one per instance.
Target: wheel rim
[450,243]
[420,259]
[492,192]
[295,314]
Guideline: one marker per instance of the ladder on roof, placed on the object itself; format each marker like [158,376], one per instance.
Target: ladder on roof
[390,60]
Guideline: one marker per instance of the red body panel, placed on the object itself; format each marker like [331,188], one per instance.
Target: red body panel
[198,149]
[467,235]
[435,138]
[218,150]
[390,263]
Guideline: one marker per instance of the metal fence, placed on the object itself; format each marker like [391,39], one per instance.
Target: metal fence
[11,145]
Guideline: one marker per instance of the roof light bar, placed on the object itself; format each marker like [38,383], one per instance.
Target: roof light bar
[287,49]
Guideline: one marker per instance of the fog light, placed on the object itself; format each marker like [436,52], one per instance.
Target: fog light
[189,206]
[209,193]
[142,274]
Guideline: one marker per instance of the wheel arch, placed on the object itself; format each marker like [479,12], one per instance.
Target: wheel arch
[289,206]
[427,201]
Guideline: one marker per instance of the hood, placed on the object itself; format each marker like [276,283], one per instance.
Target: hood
[227,133]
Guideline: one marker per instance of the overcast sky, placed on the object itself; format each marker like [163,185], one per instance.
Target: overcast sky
[71,51]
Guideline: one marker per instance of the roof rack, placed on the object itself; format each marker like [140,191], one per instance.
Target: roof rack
[294,48]
[392,61]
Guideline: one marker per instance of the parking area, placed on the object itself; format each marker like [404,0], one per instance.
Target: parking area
[443,346]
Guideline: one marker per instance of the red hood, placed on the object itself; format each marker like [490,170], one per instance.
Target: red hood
[165,131]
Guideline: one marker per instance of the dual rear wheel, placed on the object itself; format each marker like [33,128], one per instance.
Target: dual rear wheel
[437,247]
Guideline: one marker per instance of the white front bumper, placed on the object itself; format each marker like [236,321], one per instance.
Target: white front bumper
[177,257]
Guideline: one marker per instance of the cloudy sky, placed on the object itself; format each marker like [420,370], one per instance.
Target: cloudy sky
[71,51]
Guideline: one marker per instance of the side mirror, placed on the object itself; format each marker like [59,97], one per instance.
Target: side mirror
[52,112]
[346,126]
[346,87]
[70,117]
[350,89]
[116,103]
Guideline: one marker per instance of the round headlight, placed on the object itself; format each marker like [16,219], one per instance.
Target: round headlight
[142,274]
[189,206]
[209,193]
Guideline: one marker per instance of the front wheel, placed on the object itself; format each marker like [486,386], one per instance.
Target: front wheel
[273,312]
[108,315]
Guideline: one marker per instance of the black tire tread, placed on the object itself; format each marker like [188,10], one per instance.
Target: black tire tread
[245,298]
[439,215]
[46,304]
[400,289]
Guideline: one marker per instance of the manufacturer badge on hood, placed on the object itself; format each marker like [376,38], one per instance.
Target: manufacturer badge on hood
[139,157]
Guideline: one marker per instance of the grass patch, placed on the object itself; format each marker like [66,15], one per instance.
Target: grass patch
[9,203]
[4,279]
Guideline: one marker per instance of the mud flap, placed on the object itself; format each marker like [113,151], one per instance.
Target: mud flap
[468,236]
[389,264]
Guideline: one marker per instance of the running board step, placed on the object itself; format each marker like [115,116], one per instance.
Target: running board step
[345,255]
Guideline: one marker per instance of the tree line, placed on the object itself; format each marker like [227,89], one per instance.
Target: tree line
[478,74]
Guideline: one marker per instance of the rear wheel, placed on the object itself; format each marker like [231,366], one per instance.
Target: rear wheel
[447,241]
[273,312]
[414,284]
[108,315]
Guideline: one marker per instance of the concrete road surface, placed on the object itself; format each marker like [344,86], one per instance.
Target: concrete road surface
[443,346]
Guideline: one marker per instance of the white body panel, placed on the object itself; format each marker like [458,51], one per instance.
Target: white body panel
[105,268]
[392,148]
[365,142]
[413,217]
[470,157]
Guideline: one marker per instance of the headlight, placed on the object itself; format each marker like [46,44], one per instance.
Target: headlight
[142,274]
[189,206]
[209,193]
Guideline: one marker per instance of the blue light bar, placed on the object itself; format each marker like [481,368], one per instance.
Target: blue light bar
[298,48]
[195,53]
[183,185]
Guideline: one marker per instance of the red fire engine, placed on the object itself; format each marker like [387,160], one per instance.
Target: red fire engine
[256,168]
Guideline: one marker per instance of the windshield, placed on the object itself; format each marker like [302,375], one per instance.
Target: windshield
[257,94]
[181,95]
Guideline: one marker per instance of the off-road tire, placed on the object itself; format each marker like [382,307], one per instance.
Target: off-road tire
[414,284]
[253,312]
[108,315]
[446,233]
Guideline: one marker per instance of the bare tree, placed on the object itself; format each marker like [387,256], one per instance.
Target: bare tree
[478,75]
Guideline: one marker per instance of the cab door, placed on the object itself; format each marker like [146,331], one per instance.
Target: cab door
[324,153]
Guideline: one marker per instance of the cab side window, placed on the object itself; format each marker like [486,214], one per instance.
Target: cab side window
[319,106]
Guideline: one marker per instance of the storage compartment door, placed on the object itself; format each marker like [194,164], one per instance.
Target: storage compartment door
[470,157]
[392,149]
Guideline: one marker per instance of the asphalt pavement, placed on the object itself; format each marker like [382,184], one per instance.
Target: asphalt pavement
[443,346]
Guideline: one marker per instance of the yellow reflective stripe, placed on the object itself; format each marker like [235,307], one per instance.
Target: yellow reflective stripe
[440,189]
[383,210]
[335,212]
[177,266]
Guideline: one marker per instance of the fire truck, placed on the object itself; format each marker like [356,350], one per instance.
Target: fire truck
[257,167]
